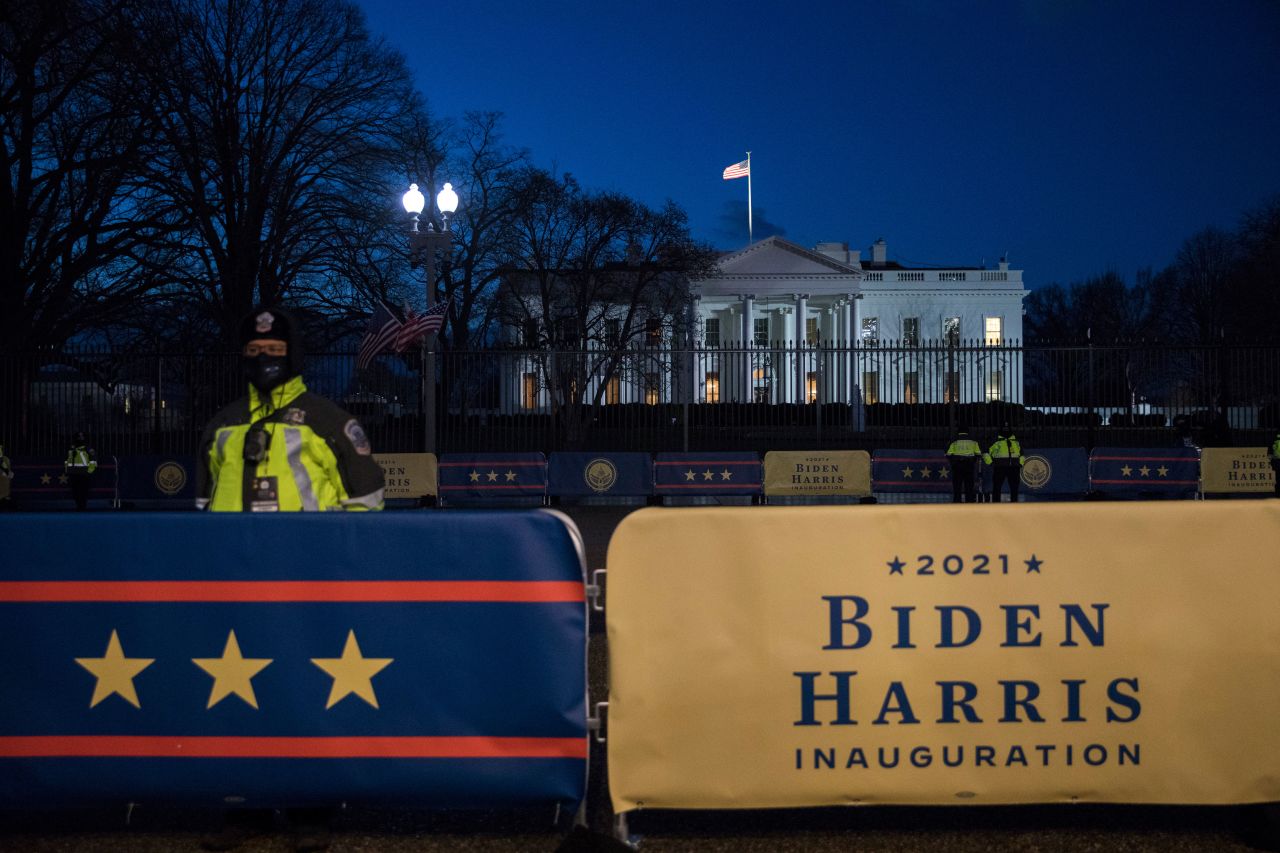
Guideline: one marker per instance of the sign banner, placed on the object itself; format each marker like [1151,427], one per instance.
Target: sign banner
[480,478]
[998,654]
[600,474]
[707,474]
[158,478]
[1236,471]
[817,473]
[407,475]
[910,471]
[45,479]
[1169,471]
[435,659]
[1056,471]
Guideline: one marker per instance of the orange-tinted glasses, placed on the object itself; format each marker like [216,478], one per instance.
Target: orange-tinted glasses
[253,348]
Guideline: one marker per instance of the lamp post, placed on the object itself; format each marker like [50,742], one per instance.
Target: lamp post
[423,245]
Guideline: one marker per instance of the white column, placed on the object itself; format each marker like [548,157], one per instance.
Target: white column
[801,326]
[748,304]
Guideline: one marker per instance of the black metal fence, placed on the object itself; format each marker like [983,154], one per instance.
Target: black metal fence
[760,398]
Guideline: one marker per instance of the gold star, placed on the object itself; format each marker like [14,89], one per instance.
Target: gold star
[1126,471]
[62,478]
[511,475]
[475,476]
[115,673]
[232,673]
[688,475]
[45,479]
[942,472]
[908,471]
[726,474]
[707,475]
[493,476]
[352,673]
[1162,471]
[925,472]
[1144,471]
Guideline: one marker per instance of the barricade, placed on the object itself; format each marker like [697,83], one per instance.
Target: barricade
[1039,653]
[684,475]
[1236,471]
[435,660]
[1052,474]
[44,480]
[1145,472]
[408,476]
[914,472]
[815,475]
[598,475]
[477,479]
[165,479]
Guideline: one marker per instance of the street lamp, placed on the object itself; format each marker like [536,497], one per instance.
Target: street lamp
[423,245]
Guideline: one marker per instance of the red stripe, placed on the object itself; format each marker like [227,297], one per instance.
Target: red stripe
[1147,482]
[123,746]
[884,460]
[711,462]
[291,591]
[485,463]
[534,489]
[938,484]
[1187,459]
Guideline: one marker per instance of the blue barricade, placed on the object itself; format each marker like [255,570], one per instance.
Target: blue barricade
[491,478]
[1145,471]
[910,471]
[157,478]
[600,475]
[703,474]
[427,659]
[43,478]
[1057,472]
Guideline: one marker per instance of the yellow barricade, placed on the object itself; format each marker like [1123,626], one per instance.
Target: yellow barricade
[817,473]
[408,475]
[810,656]
[1236,471]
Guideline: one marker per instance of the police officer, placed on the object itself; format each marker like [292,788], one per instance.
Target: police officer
[280,447]
[1005,459]
[963,454]
[6,476]
[79,466]
[1273,454]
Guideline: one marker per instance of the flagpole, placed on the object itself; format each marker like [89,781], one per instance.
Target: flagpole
[750,237]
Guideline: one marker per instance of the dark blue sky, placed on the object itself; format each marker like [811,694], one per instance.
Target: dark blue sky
[1078,136]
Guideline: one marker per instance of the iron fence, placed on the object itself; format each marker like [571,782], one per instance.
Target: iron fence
[766,397]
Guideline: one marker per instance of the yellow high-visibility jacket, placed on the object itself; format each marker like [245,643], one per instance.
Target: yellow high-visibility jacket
[1005,451]
[317,457]
[80,460]
[964,447]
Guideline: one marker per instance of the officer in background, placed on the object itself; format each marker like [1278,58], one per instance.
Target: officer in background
[79,466]
[1005,459]
[963,454]
[6,480]
[280,447]
[1273,454]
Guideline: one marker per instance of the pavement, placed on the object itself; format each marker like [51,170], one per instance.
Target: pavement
[960,829]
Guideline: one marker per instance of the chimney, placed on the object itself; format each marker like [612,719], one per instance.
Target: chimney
[879,252]
[835,251]
[1004,264]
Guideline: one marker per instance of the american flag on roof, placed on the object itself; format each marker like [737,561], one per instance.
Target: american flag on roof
[738,170]
[382,332]
[416,326]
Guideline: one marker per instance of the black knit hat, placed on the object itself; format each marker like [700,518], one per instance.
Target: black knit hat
[273,324]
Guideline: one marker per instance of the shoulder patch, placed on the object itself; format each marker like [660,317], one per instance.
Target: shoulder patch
[355,434]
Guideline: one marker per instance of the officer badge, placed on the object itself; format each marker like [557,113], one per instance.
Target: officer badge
[600,475]
[294,415]
[264,321]
[355,434]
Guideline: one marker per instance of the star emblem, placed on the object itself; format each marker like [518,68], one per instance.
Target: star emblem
[895,565]
[475,476]
[62,478]
[115,673]
[942,472]
[45,479]
[1144,471]
[726,474]
[689,475]
[707,475]
[493,476]
[1162,471]
[925,472]
[907,472]
[1033,565]
[1126,471]
[511,475]
[352,673]
[232,673]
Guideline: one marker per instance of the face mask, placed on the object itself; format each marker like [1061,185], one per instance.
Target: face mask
[266,371]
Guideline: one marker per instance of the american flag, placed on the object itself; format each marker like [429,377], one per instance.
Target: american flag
[417,325]
[738,170]
[383,328]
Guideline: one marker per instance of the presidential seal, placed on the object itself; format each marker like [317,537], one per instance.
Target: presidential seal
[600,475]
[170,477]
[1036,472]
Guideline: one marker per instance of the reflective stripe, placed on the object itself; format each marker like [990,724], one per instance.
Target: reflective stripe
[373,500]
[223,437]
[301,479]
[202,503]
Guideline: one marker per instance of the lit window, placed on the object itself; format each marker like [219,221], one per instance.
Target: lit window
[994,331]
[531,391]
[871,386]
[651,389]
[911,331]
[760,327]
[653,332]
[911,387]
[995,384]
[612,391]
[951,331]
[811,388]
[713,386]
[811,334]
[711,332]
[870,330]
[951,393]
